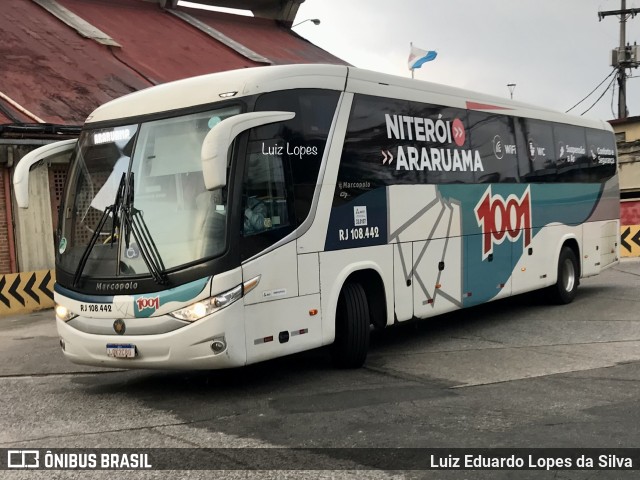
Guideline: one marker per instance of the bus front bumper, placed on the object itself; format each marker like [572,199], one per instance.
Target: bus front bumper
[197,346]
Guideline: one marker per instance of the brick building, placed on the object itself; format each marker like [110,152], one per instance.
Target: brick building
[628,140]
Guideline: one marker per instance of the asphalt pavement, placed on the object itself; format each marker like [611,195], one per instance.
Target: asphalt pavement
[517,373]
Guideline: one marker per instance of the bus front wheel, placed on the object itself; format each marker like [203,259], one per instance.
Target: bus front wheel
[352,327]
[564,290]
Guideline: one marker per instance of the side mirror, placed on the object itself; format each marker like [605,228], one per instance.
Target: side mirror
[21,172]
[215,148]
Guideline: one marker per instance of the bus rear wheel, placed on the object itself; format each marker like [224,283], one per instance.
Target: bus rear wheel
[352,327]
[565,289]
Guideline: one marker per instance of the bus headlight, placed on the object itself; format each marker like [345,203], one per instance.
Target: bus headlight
[200,309]
[64,314]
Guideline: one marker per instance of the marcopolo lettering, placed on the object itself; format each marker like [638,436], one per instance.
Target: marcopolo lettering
[116,286]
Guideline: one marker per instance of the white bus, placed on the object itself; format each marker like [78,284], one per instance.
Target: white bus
[231,218]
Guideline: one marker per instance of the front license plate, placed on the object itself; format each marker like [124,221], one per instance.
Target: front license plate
[117,350]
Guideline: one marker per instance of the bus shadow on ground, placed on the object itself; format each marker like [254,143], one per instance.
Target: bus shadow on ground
[451,323]
[266,401]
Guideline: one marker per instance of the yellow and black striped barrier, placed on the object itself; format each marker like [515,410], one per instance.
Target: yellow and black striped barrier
[630,240]
[26,292]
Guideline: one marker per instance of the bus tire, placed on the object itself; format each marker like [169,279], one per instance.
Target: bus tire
[352,327]
[565,288]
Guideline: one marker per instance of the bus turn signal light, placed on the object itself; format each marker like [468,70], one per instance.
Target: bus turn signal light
[250,284]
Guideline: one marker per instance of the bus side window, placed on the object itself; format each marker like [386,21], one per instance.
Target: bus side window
[538,158]
[264,198]
[265,201]
[301,141]
[572,160]
[494,137]
[602,155]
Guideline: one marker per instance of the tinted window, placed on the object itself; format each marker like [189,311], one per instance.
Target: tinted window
[566,153]
[265,205]
[538,161]
[301,140]
[368,154]
[390,142]
[602,154]
[493,136]
[572,162]
[282,165]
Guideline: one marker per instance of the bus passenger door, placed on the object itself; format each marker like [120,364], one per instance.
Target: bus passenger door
[276,317]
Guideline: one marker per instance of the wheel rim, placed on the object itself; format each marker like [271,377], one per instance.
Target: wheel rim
[568,275]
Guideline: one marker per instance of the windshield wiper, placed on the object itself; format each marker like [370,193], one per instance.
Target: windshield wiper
[134,223]
[110,210]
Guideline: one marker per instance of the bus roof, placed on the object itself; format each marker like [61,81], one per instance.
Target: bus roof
[211,88]
[215,87]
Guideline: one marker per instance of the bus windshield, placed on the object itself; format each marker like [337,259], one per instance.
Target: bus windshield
[165,192]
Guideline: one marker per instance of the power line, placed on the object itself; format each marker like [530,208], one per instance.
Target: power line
[613,96]
[591,92]
[600,97]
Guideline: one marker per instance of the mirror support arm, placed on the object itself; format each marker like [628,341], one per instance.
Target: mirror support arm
[215,148]
[21,171]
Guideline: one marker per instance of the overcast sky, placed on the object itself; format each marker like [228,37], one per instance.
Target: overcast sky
[555,51]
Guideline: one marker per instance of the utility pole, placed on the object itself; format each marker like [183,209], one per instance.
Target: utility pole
[625,56]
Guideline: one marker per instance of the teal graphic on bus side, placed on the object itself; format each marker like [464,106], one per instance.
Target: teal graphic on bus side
[489,258]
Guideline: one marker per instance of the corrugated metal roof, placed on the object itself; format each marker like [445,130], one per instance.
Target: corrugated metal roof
[9,114]
[52,71]
[155,43]
[59,76]
[5,119]
[266,37]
